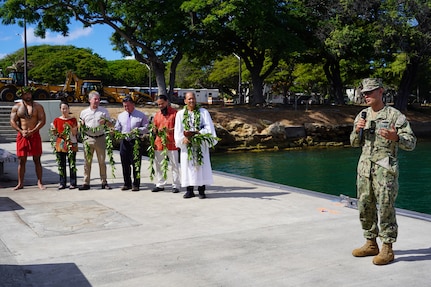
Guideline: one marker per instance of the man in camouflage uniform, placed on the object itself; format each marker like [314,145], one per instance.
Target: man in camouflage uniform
[380,130]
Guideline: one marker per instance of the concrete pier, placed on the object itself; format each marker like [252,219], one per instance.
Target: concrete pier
[246,233]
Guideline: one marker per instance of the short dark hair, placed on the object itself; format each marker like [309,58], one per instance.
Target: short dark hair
[128,99]
[64,103]
[163,97]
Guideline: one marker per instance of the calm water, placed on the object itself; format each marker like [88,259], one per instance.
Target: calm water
[333,171]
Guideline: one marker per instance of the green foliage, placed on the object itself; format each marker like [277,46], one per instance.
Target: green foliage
[192,74]
[50,63]
[282,78]
[260,32]
[127,73]
[309,78]
[225,74]
[153,32]
[350,39]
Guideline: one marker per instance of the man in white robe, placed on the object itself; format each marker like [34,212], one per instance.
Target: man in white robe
[195,165]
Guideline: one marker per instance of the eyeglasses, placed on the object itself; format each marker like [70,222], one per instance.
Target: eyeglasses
[368,93]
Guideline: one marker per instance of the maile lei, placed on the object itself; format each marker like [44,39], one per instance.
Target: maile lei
[163,134]
[109,143]
[134,134]
[54,134]
[194,149]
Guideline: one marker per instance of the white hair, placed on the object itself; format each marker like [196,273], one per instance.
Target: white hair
[93,94]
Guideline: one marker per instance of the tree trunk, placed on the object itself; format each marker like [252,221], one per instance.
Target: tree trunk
[256,80]
[156,66]
[159,72]
[257,85]
[332,72]
[172,74]
[254,62]
[406,85]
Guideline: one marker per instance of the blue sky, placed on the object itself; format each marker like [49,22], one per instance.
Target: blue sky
[95,38]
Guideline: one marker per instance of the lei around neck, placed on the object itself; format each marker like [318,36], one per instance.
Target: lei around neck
[194,148]
[196,119]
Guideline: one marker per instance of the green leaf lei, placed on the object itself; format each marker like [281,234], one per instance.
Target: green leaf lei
[109,150]
[54,134]
[150,150]
[194,149]
[197,119]
[163,134]
[109,143]
[134,134]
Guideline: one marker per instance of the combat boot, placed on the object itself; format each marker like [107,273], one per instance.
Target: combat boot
[385,256]
[370,248]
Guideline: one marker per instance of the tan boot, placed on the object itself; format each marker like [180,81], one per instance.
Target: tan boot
[385,256]
[370,248]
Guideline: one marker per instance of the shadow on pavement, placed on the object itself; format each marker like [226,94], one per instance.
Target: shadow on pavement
[7,204]
[63,274]
[413,254]
[229,191]
[10,178]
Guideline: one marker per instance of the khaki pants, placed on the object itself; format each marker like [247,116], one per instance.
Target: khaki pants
[99,145]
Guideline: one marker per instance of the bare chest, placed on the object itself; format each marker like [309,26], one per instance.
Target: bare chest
[26,111]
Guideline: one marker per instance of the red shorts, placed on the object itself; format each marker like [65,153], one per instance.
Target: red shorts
[30,146]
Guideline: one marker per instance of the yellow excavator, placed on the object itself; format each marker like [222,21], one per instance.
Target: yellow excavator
[78,92]
[15,81]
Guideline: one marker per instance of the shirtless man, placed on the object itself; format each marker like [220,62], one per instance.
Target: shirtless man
[27,118]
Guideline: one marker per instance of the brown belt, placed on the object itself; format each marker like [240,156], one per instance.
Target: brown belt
[95,137]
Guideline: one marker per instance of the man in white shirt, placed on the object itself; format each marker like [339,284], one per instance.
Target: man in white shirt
[93,121]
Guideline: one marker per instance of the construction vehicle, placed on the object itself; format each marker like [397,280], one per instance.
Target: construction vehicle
[10,85]
[79,91]
[81,88]
[117,94]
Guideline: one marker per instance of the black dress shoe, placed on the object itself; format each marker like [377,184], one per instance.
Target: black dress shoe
[84,187]
[125,187]
[175,190]
[61,187]
[105,186]
[135,188]
[201,190]
[189,194]
[157,189]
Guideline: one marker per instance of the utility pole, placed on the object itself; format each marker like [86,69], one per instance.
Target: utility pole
[25,54]
[239,79]
[149,80]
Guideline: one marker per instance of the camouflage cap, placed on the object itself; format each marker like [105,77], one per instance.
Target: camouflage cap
[370,84]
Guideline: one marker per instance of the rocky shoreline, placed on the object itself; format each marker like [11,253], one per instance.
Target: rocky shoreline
[236,137]
[243,128]
[318,129]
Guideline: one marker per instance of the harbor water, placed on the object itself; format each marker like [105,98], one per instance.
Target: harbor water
[332,171]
